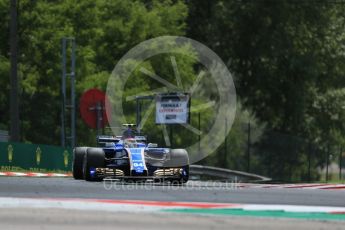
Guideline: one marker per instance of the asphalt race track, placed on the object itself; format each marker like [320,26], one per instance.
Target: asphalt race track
[193,191]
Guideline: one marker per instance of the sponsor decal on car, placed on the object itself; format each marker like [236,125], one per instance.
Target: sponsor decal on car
[137,158]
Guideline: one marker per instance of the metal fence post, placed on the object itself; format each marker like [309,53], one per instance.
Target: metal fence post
[225,144]
[63,94]
[327,162]
[73,107]
[72,104]
[248,147]
[199,128]
[137,114]
[14,98]
[309,161]
[340,162]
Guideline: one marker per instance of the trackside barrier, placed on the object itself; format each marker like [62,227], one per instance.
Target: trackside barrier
[226,174]
[34,157]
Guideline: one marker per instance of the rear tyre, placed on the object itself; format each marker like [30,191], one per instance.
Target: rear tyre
[179,158]
[77,163]
[94,158]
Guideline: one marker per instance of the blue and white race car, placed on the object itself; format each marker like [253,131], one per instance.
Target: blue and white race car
[130,158]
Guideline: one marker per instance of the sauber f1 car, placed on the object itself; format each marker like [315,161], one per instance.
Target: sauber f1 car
[130,158]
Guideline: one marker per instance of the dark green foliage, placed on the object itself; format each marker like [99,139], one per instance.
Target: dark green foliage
[287,58]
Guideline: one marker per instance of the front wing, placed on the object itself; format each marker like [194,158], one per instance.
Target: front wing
[162,173]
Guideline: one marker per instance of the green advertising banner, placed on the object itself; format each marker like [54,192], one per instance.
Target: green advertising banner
[35,158]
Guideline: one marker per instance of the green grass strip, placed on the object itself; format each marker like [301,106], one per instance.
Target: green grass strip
[274,214]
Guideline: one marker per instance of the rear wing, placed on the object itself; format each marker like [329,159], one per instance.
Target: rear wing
[102,140]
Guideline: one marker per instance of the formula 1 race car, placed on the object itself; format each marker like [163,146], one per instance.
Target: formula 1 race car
[130,158]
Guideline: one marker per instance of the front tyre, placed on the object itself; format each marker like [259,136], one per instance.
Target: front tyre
[94,158]
[185,175]
[183,178]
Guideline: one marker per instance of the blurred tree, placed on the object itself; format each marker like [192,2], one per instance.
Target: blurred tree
[285,55]
[4,64]
[104,31]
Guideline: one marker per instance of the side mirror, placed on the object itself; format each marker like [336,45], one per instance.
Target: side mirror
[152,145]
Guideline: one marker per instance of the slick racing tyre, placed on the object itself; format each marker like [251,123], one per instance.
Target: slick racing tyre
[77,163]
[179,158]
[94,158]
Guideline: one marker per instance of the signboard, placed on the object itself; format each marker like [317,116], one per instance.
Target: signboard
[172,108]
[93,104]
